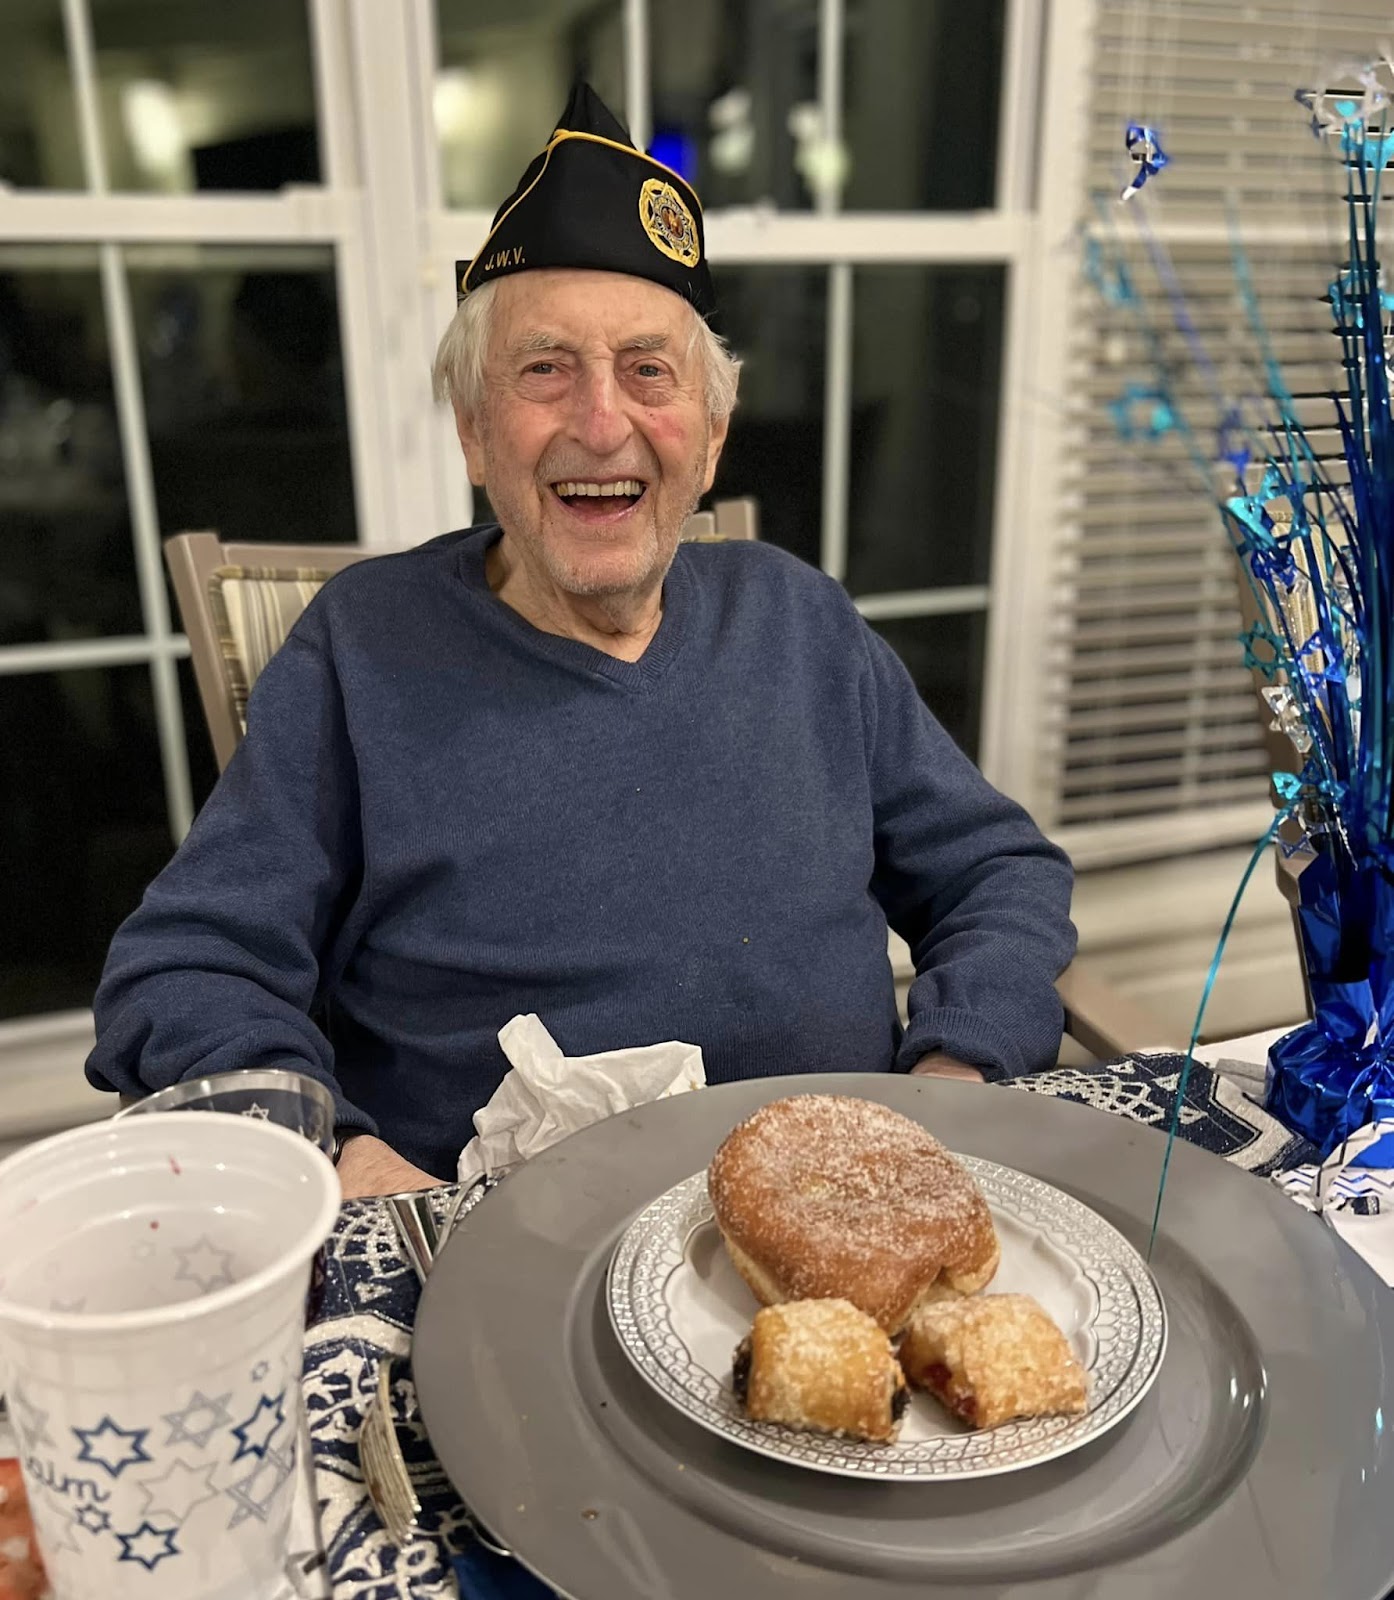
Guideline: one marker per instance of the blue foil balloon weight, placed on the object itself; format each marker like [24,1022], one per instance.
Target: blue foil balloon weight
[1335,1073]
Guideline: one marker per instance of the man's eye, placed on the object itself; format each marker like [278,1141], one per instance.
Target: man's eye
[545,368]
[649,369]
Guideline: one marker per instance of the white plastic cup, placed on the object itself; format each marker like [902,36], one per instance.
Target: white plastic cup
[153,1276]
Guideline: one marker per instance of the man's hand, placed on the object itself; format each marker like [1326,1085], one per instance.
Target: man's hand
[938,1065]
[368,1166]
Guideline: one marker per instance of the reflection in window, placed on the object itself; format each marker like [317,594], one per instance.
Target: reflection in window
[922,87]
[82,827]
[775,320]
[38,148]
[944,656]
[735,88]
[506,68]
[67,568]
[926,375]
[244,391]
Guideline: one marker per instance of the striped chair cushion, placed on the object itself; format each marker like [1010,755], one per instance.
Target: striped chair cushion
[254,609]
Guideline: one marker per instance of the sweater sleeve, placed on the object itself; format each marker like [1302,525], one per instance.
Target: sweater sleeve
[965,877]
[221,964]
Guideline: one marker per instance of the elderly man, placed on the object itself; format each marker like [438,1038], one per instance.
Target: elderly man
[562,765]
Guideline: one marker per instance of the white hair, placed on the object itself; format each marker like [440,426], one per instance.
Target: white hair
[457,374]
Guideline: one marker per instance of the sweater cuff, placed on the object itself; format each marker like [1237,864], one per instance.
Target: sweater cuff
[964,1036]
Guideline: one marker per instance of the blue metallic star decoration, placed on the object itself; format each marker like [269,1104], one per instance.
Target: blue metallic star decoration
[199,1420]
[149,1546]
[111,1447]
[256,1433]
[1261,650]
[1142,412]
[1144,146]
[92,1518]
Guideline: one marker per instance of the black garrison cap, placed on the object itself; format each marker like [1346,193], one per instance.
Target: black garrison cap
[591,199]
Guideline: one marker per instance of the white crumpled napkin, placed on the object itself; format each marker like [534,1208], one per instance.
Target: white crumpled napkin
[547,1095]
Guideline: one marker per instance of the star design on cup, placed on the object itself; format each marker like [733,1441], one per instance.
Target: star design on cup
[254,1436]
[203,1263]
[63,1539]
[147,1545]
[173,1496]
[260,1370]
[111,1447]
[259,1112]
[31,1419]
[268,1476]
[93,1518]
[183,1428]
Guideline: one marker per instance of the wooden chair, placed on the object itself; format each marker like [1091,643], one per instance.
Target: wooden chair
[239,601]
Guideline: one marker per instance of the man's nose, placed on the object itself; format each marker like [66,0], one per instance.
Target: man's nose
[600,422]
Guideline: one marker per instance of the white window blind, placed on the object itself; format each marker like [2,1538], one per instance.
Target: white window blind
[1153,736]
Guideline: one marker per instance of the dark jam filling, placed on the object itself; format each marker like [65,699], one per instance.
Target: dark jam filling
[899,1401]
[740,1370]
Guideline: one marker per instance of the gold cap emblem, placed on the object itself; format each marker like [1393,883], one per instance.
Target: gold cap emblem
[668,222]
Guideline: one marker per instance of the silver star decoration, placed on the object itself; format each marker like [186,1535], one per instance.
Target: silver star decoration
[112,1447]
[31,1419]
[214,1415]
[255,1494]
[259,1112]
[147,1545]
[204,1263]
[174,1495]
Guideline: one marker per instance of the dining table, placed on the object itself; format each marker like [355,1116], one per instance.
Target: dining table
[367,1303]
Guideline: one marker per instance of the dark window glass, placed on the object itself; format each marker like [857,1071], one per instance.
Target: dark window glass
[776,319]
[244,392]
[735,89]
[203,768]
[67,569]
[921,92]
[944,656]
[926,376]
[82,827]
[38,133]
[506,68]
[205,95]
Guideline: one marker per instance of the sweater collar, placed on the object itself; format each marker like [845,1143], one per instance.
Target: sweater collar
[642,674]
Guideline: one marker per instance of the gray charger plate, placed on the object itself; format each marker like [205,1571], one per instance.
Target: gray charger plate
[1258,1468]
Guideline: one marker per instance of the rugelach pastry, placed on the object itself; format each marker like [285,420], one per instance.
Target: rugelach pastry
[823,1366]
[824,1197]
[993,1358]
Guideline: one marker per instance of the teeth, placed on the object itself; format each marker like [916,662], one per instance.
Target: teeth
[626,486]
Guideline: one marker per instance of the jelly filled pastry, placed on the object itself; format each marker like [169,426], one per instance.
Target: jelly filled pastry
[823,1366]
[991,1358]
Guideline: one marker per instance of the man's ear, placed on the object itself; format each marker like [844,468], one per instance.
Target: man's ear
[472,443]
[719,428]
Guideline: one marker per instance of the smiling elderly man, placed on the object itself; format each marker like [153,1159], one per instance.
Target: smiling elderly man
[560,764]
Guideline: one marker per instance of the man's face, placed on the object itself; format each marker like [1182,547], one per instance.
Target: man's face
[594,439]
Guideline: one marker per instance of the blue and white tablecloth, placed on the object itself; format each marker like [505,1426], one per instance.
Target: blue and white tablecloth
[369,1304]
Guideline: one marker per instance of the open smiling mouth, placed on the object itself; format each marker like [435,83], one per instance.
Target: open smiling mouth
[597,501]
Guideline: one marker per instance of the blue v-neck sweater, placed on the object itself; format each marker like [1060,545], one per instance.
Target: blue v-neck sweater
[442,817]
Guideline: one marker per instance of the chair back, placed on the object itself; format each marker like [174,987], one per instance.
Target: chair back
[239,602]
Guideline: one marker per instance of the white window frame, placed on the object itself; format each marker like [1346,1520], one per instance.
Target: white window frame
[380,208]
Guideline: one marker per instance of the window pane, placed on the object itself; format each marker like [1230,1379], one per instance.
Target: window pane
[775,320]
[735,91]
[82,827]
[203,768]
[67,569]
[944,656]
[204,95]
[506,68]
[926,376]
[244,391]
[38,137]
[920,106]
